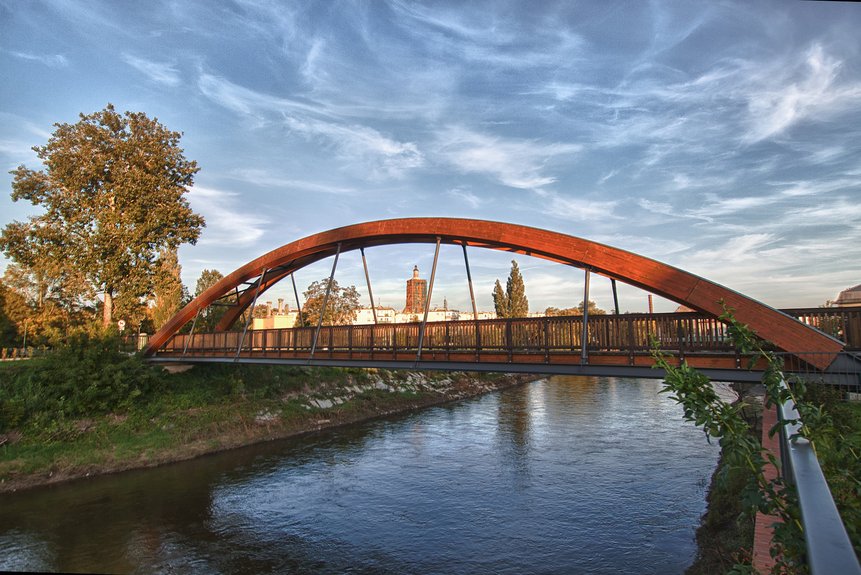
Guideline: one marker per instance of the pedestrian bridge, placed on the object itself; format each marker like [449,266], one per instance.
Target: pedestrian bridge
[826,340]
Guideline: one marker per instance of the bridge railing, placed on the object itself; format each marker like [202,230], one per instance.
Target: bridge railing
[829,549]
[843,323]
[632,334]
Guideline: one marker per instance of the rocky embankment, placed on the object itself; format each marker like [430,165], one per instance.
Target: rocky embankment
[113,444]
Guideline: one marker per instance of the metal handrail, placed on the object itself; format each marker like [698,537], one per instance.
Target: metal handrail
[829,549]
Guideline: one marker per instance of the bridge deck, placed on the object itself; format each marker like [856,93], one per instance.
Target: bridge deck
[615,344]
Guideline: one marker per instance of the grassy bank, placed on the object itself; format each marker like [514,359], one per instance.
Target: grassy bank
[86,413]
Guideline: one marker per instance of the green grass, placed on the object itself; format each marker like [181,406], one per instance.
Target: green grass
[93,409]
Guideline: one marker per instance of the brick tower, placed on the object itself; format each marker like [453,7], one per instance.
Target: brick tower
[417,291]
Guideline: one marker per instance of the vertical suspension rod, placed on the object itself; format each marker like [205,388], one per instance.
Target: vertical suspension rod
[368,281]
[584,333]
[325,302]
[472,300]
[191,333]
[469,281]
[296,295]
[250,313]
[428,302]
[615,295]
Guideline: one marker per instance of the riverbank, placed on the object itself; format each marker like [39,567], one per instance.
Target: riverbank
[725,535]
[214,408]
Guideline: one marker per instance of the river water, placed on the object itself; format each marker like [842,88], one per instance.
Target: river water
[562,475]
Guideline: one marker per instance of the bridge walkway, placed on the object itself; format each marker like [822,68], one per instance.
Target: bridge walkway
[614,344]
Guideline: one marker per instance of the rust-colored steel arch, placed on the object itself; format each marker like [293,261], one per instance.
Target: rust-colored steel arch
[670,282]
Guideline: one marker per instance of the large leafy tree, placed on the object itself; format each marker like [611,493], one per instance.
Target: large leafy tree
[113,193]
[340,309]
[513,302]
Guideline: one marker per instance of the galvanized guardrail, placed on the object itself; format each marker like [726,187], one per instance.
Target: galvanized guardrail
[829,550]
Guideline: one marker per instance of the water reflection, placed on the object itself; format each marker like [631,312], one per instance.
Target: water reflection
[555,476]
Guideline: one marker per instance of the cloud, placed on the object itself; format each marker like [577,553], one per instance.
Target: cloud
[468,35]
[372,153]
[517,163]
[781,198]
[248,102]
[578,209]
[363,147]
[50,60]
[466,197]
[158,72]
[809,90]
[226,224]
[269,179]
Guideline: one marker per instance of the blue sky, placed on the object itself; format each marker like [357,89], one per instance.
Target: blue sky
[720,137]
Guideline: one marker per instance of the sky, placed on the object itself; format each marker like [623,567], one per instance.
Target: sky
[723,138]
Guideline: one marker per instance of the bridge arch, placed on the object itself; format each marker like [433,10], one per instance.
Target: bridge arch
[667,281]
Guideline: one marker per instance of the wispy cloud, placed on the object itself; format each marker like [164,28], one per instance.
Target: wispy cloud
[778,197]
[249,102]
[468,35]
[465,196]
[361,147]
[274,180]
[807,90]
[226,223]
[517,163]
[577,209]
[50,60]
[158,72]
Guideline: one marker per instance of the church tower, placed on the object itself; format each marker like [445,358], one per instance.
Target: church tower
[417,291]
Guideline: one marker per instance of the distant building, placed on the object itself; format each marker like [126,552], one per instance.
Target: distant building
[417,293]
[849,297]
[365,315]
[284,319]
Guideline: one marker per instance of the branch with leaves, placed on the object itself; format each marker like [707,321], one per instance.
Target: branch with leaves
[740,446]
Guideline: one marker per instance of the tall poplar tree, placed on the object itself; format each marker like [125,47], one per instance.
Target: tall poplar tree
[168,293]
[500,302]
[512,302]
[515,292]
[113,190]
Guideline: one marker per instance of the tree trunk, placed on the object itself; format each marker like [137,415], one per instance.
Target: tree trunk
[108,309]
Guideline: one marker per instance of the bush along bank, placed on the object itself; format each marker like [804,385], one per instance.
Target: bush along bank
[88,409]
[725,535]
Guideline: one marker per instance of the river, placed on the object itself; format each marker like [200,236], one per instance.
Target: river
[561,475]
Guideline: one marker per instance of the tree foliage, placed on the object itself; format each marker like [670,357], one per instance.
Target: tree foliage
[44,308]
[500,302]
[84,377]
[568,311]
[340,309]
[513,302]
[210,316]
[837,446]
[9,301]
[113,193]
[168,293]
